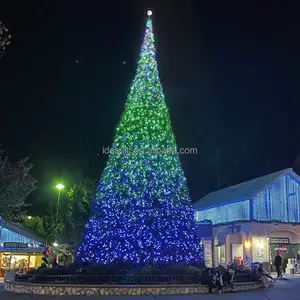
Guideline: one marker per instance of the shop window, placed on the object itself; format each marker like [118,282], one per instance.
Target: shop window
[237,251]
[19,262]
[5,260]
[221,254]
[207,251]
[260,249]
[32,262]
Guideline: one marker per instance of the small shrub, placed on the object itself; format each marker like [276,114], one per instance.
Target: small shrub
[97,270]
[56,271]
[200,265]
[182,270]
[168,270]
[149,270]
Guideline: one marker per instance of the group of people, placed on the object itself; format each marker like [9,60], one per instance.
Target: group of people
[217,278]
[238,262]
[223,277]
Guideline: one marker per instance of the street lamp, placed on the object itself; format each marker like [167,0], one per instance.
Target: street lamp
[29,217]
[59,187]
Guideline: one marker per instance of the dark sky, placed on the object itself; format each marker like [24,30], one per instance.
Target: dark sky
[230,71]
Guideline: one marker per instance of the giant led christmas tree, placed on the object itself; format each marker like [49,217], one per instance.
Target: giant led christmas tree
[142,212]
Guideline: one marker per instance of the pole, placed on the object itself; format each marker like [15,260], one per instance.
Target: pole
[57,207]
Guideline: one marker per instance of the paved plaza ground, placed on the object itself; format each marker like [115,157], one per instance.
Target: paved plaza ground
[288,289]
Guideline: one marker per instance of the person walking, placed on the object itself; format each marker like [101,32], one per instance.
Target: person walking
[278,263]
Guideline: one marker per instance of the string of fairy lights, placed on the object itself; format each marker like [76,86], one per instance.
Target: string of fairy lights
[142,212]
[285,208]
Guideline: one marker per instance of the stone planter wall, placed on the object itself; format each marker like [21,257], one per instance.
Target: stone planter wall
[114,290]
[242,287]
[101,290]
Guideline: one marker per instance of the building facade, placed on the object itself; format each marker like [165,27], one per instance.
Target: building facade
[19,248]
[254,219]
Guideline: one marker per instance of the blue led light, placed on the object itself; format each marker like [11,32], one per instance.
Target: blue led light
[279,202]
[142,211]
[238,211]
[10,236]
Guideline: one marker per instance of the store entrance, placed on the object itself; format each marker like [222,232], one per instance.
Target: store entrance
[286,251]
[234,243]
[286,243]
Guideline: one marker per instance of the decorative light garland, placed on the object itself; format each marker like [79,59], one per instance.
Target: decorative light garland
[142,212]
[279,202]
[10,236]
[227,213]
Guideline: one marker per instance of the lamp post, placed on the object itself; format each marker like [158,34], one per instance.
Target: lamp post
[59,187]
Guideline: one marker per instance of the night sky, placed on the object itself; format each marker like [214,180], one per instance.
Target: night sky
[230,72]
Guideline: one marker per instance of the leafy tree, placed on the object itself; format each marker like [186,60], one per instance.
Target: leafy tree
[64,254]
[52,229]
[16,183]
[75,213]
[45,226]
[35,224]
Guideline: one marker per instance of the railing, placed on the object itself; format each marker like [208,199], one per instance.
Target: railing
[116,279]
[242,277]
[121,279]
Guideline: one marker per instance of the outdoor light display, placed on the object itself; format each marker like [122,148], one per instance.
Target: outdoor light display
[278,202]
[142,212]
[226,213]
[10,236]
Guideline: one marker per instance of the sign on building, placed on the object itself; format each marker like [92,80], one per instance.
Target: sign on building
[15,245]
[279,240]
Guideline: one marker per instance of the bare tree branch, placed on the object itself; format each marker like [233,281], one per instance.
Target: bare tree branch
[16,184]
[5,38]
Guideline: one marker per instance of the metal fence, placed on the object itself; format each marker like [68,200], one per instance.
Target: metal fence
[116,279]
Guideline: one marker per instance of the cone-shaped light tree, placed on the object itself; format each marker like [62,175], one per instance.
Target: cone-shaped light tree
[142,212]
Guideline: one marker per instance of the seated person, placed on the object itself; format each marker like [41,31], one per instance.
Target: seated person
[254,274]
[264,275]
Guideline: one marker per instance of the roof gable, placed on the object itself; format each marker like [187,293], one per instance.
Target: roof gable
[21,231]
[239,192]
